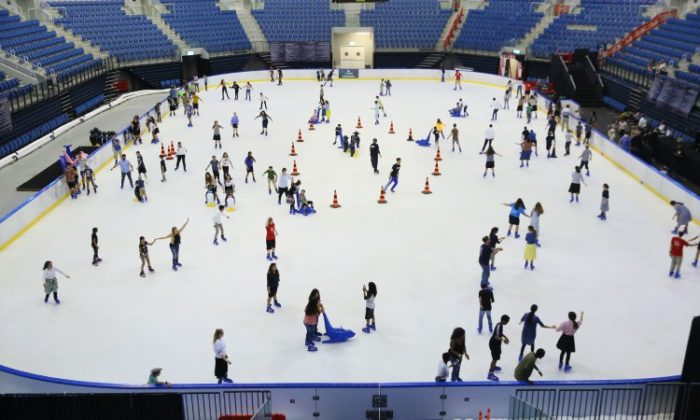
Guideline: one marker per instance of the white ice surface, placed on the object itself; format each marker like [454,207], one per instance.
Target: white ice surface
[421,250]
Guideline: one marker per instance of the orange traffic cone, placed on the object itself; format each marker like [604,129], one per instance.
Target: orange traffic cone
[299,139]
[436,172]
[382,199]
[335,204]
[359,123]
[162,150]
[171,151]
[294,151]
[311,127]
[437,156]
[294,169]
[426,190]
[410,135]
[391,128]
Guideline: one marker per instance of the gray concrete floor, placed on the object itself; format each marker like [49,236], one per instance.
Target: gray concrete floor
[18,173]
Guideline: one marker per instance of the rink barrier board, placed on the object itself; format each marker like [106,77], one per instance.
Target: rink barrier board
[57,188]
[488,80]
[613,153]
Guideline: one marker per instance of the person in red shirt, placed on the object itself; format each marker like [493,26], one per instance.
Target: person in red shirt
[676,252]
[271,234]
[458,80]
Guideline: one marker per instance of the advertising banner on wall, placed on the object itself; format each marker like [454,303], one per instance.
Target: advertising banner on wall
[348,73]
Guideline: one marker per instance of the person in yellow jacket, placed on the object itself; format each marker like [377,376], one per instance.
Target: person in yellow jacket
[195,103]
[440,126]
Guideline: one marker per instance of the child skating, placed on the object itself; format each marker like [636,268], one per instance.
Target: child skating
[270,239]
[95,248]
[234,125]
[566,343]
[586,156]
[229,190]
[273,282]
[143,255]
[216,128]
[458,348]
[51,282]
[394,175]
[495,343]
[370,293]
[535,215]
[271,176]
[265,121]
[682,216]
[486,299]
[530,247]
[676,253]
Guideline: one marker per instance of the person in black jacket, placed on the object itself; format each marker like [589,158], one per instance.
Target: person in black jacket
[273,281]
[374,154]
[236,87]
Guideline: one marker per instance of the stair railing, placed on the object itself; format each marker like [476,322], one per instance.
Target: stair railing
[639,32]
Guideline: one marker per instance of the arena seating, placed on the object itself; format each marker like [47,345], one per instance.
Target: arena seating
[298,20]
[30,40]
[606,21]
[23,140]
[11,88]
[104,23]
[203,25]
[500,23]
[406,23]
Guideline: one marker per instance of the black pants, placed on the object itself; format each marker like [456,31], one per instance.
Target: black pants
[494,115]
[225,168]
[280,192]
[235,94]
[375,161]
[95,257]
[224,92]
[181,158]
[487,143]
[584,164]
[567,147]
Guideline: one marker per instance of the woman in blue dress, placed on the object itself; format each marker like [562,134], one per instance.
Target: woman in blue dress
[530,321]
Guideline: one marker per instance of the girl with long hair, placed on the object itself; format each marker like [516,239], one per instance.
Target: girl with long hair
[530,322]
[273,281]
[50,281]
[221,360]
[516,210]
[566,342]
[369,292]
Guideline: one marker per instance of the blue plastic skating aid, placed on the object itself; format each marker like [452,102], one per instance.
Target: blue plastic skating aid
[336,335]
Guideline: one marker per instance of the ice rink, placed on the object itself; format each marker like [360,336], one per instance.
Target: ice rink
[420,250]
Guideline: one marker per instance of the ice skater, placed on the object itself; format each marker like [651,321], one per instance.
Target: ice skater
[586,156]
[676,253]
[443,368]
[566,343]
[140,190]
[221,360]
[381,88]
[189,112]
[567,142]
[216,128]
[533,103]
[370,293]
[530,322]
[682,216]
[374,155]
[387,85]
[90,179]
[394,175]
[234,125]
[175,237]
[458,80]
[229,190]
[376,109]
[486,299]
[489,136]
[381,105]
[195,103]
[163,169]
[530,247]
[270,239]
[313,309]
[217,221]
[494,241]
[248,90]
[283,185]
[604,202]
[575,186]
[125,168]
[579,133]
[458,348]
[524,369]
[215,165]
[535,215]
[95,248]
[516,210]
[525,152]
[491,161]
[454,135]
[226,164]
[265,120]
[551,145]
[141,166]
[486,252]
[519,108]
[263,102]
[224,90]
[51,282]
[249,170]
[506,98]
[143,255]
[273,281]
[495,107]
[211,187]
[236,88]
[495,343]
[279,76]
[71,175]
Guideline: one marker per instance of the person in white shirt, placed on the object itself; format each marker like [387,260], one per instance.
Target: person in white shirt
[50,281]
[283,185]
[489,135]
[642,124]
[218,225]
[221,360]
[495,106]
[180,154]
[443,371]
[565,114]
[370,293]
